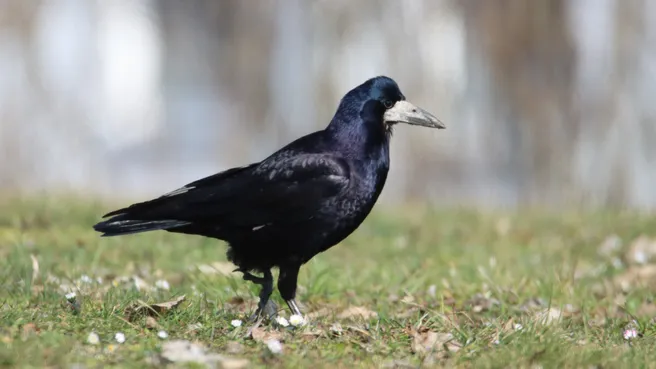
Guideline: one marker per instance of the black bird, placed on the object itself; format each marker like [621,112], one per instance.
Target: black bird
[298,202]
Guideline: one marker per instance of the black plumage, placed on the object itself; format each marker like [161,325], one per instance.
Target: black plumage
[298,202]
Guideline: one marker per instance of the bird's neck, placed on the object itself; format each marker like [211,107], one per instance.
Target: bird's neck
[362,140]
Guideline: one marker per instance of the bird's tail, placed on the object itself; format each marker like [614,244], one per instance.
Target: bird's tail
[121,224]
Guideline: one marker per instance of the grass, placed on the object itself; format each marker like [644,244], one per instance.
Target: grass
[435,288]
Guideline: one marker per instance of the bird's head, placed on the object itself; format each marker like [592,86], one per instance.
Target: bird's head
[381,100]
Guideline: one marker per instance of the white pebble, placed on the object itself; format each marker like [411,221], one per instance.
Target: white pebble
[282,321]
[71,296]
[296,320]
[119,337]
[93,338]
[274,346]
[236,323]
[162,284]
[163,335]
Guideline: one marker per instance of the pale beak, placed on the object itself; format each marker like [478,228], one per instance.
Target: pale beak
[405,112]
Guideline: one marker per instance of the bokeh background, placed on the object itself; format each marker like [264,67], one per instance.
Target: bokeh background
[547,102]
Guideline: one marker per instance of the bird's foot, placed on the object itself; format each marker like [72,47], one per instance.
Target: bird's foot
[268,311]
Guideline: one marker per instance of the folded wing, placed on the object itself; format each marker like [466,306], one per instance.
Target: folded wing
[279,190]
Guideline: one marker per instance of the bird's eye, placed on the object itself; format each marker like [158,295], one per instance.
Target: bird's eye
[388,104]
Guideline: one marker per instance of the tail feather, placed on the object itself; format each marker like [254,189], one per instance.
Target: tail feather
[120,225]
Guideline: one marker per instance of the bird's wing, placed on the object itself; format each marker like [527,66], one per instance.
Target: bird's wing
[277,190]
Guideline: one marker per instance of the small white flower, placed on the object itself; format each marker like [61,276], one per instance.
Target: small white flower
[630,334]
[71,296]
[163,335]
[282,321]
[85,279]
[296,320]
[119,337]
[518,327]
[236,323]
[139,283]
[274,346]
[432,290]
[162,284]
[99,280]
[496,342]
[93,338]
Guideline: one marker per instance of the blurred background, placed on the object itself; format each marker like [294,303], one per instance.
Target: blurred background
[547,102]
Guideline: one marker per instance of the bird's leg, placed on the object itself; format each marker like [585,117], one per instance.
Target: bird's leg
[287,286]
[265,306]
[293,307]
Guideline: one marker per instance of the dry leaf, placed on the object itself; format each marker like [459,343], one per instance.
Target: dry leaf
[610,245]
[548,316]
[181,351]
[481,303]
[35,268]
[641,251]
[336,328]
[646,310]
[234,347]
[357,312]
[533,304]
[151,323]
[644,275]
[319,313]
[261,335]
[29,329]
[153,309]
[426,341]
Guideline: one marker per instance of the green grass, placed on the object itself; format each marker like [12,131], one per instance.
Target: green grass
[476,276]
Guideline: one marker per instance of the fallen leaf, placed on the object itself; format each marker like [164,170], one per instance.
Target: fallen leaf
[548,316]
[480,303]
[194,328]
[503,226]
[261,335]
[234,347]
[151,323]
[357,311]
[426,341]
[181,351]
[398,364]
[641,251]
[637,275]
[610,245]
[29,329]
[319,313]
[336,329]
[153,309]
[533,304]
[646,310]
[35,268]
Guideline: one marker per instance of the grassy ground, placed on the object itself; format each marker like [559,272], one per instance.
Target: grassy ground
[409,288]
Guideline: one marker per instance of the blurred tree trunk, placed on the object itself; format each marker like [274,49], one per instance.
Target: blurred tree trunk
[531,59]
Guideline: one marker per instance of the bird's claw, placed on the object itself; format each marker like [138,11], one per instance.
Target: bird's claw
[251,278]
[269,311]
